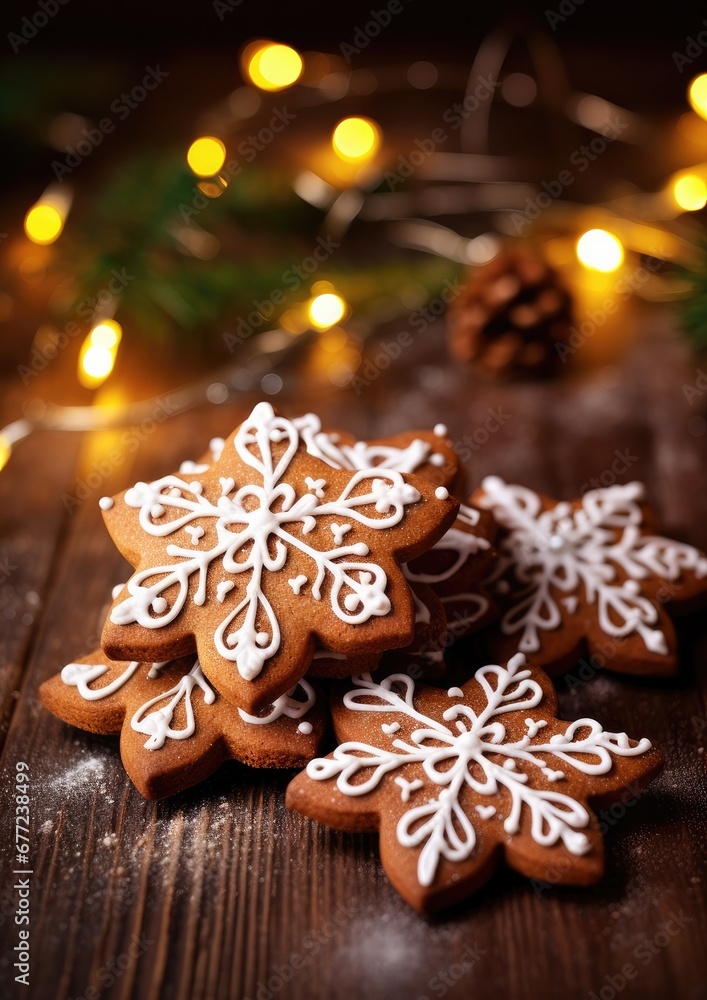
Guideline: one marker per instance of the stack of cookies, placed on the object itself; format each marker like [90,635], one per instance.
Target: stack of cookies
[295,575]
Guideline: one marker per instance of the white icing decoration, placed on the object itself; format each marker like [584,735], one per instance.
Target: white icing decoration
[407,787]
[553,775]
[455,692]
[154,670]
[360,455]
[298,583]
[316,486]
[422,612]
[195,532]
[569,603]
[357,590]
[338,531]
[442,493]
[216,446]
[476,606]
[116,590]
[463,738]
[390,727]
[106,503]
[189,468]
[305,728]
[80,675]
[156,724]
[228,484]
[440,430]
[157,511]
[223,588]
[286,704]
[534,726]
[438,460]
[486,812]
[578,552]
[462,544]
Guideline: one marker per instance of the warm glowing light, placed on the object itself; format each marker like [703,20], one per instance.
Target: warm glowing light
[697,94]
[98,353]
[5,451]
[43,224]
[97,362]
[356,139]
[326,310]
[206,156]
[600,251]
[274,67]
[690,193]
[106,334]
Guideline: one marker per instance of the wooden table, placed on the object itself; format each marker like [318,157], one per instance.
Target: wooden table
[220,892]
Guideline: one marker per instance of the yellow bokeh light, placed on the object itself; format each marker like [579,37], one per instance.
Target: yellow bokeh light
[326,310]
[274,67]
[98,353]
[690,193]
[5,451]
[697,94]
[206,156]
[356,139]
[600,251]
[96,364]
[106,334]
[43,224]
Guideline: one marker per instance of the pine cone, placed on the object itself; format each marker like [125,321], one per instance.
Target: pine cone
[508,319]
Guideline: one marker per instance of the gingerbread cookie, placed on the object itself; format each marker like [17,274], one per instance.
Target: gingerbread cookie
[175,729]
[454,779]
[429,454]
[591,573]
[265,555]
[454,567]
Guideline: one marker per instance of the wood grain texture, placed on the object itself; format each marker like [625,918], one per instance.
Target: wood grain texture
[220,892]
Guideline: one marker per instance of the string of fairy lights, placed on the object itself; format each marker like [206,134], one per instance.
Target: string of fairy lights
[356,143]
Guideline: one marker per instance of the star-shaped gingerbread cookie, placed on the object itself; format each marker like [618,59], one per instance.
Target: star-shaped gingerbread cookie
[175,729]
[589,574]
[455,780]
[265,555]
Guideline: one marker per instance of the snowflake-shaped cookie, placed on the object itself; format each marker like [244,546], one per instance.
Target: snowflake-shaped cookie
[446,581]
[175,729]
[263,554]
[452,780]
[591,573]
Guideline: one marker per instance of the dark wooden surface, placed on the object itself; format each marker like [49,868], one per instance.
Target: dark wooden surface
[220,892]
